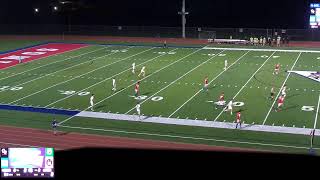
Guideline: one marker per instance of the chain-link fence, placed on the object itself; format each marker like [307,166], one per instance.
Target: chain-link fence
[159,32]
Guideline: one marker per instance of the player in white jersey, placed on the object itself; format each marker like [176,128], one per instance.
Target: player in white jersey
[143,72]
[264,41]
[133,67]
[91,102]
[229,107]
[225,64]
[278,41]
[283,91]
[138,110]
[114,84]
[20,60]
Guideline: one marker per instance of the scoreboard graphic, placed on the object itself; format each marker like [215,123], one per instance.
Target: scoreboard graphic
[27,162]
[314,21]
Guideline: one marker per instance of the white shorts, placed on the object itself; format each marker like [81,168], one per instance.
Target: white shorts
[280,104]
[206,85]
[229,107]
[221,103]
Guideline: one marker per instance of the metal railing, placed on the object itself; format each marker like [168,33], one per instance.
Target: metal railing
[158,32]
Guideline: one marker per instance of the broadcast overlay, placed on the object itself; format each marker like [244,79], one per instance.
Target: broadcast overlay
[315,15]
[27,162]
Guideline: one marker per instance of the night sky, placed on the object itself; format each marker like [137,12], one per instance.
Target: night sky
[203,13]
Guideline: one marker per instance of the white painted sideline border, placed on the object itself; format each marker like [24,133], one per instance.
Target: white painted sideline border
[253,49]
[200,123]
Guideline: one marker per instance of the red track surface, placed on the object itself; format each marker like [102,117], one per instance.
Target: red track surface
[26,137]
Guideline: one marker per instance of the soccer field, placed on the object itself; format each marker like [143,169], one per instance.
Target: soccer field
[170,93]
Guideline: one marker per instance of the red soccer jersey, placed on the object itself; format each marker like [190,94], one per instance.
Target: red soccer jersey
[280,100]
[221,98]
[277,66]
[206,81]
[137,87]
[238,116]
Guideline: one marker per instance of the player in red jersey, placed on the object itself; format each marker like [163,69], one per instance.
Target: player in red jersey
[276,69]
[238,119]
[137,89]
[206,84]
[221,101]
[280,103]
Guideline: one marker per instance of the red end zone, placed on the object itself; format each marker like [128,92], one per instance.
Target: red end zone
[35,53]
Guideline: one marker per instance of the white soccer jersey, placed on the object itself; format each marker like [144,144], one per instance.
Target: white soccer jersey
[225,63]
[113,82]
[143,68]
[230,105]
[133,65]
[284,89]
[138,108]
[91,99]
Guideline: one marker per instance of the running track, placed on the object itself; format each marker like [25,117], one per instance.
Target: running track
[26,137]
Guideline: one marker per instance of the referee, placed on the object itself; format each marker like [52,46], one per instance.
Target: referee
[54,126]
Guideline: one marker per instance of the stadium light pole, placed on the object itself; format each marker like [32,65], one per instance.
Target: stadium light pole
[183,14]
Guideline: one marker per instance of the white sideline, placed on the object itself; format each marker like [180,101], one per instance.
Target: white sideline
[49,63]
[316,118]
[187,137]
[246,83]
[276,98]
[135,83]
[267,50]
[80,75]
[199,123]
[204,62]
[209,83]
[107,79]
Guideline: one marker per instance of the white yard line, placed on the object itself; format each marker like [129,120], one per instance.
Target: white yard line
[177,79]
[52,62]
[209,83]
[107,79]
[246,83]
[186,137]
[62,70]
[135,83]
[276,98]
[80,75]
[316,118]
